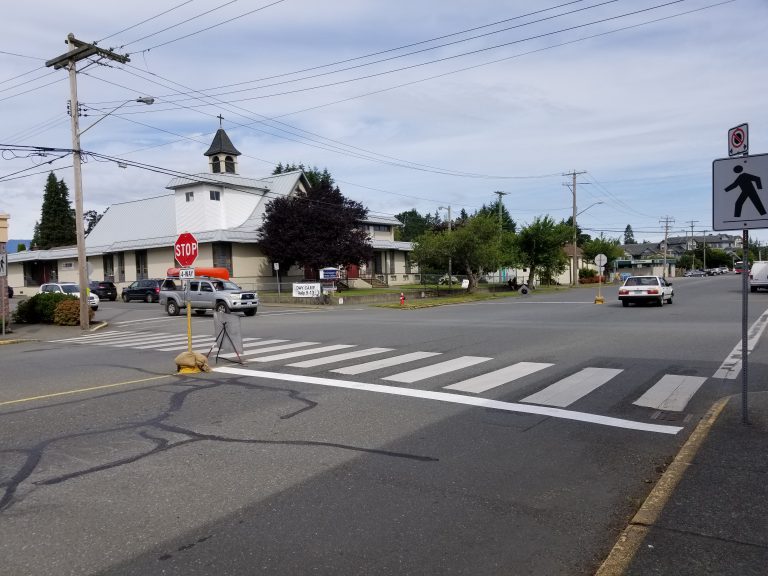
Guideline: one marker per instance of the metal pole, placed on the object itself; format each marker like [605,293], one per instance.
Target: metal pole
[82,274]
[450,258]
[744,328]
[574,269]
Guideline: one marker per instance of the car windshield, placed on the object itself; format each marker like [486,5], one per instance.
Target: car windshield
[70,288]
[226,285]
[642,281]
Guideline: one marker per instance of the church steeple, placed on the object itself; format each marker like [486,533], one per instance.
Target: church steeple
[222,155]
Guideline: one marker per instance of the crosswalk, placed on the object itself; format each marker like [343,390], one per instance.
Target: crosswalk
[671,393]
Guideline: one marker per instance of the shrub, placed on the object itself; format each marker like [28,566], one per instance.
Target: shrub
[587,273]
[40,308]
[67,313]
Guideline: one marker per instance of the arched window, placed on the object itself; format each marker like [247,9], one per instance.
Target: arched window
[215,164]
[229,165]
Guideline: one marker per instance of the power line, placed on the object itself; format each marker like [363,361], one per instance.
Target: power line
[21,55]
[145,21]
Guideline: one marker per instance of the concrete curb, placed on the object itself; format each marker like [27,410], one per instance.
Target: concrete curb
[632,536]
[20,340]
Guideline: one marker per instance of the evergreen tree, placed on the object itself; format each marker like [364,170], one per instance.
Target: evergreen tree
[629,237]
[57,219]
[493,211]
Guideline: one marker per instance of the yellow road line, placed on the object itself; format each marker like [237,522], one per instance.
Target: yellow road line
[81,390]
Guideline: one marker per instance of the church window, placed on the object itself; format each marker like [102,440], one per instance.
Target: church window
[229,165]
[215,195]
[215,164]
[190,196]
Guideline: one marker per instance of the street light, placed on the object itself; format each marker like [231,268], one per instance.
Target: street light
[590,206]
[82,274]
[450,273]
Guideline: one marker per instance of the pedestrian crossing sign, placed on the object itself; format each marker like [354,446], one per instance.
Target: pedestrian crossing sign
[739,199]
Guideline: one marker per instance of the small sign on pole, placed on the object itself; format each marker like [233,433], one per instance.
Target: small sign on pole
[186,273]
[738,140]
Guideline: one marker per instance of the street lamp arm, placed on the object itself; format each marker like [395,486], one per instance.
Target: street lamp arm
[148,100]
[588,207]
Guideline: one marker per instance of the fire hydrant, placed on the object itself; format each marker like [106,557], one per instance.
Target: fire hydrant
[402,299]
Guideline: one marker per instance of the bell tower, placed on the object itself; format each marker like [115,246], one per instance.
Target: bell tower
[222,155]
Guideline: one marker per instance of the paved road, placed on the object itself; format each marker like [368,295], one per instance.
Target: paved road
[513,436]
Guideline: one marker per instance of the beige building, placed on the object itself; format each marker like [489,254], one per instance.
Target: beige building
[134,240]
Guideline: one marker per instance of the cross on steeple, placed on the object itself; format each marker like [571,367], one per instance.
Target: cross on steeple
[221,119]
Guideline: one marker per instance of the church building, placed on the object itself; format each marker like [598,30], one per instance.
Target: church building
[134,240]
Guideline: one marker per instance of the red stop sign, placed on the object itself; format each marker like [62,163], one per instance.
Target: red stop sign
[185,249]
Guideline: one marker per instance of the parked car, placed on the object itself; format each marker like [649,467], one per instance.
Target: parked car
[104,290]
[643,289]
[147,290]
[695,274]
[209,294]
[72,289]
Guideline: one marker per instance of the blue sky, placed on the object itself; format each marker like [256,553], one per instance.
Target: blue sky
[643,111]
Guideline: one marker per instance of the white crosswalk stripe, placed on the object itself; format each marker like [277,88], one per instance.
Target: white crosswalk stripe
[671,393]
[568,390]
[496,378]
[305,352]
[339,357]
[385,363]
[437,369]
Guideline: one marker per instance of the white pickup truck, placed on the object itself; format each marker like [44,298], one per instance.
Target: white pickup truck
[208,294]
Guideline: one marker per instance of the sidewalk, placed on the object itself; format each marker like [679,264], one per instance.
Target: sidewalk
[26,332]
[708,513]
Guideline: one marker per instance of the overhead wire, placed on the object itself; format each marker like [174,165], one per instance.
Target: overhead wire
[145,21]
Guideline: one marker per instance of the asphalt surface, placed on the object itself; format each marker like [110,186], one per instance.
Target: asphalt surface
[706,515]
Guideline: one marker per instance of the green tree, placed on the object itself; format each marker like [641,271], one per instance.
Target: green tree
[629,236]
[414,225]
[493,210]
[581,237]
[475,248]
[90,219]
[540,247]
[607,246]
[314,176]
[57,219]
[316,228]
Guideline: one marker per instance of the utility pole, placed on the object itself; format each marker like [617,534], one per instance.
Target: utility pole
[704,252]
[574,269]
[450,259]
[667,221]
[79,50]
[693,243]
[501,226]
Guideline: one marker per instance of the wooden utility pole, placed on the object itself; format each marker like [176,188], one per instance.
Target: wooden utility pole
[79,50]
[574,267]
[667,221]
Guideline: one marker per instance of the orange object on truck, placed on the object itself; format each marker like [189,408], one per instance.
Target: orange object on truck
[212,272]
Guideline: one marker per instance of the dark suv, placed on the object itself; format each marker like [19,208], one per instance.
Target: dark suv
[104,290]
[147,290]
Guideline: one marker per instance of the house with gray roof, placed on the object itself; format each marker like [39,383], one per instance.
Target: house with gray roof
[135,239]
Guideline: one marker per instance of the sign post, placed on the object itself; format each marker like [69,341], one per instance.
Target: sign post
[736,204]
[276,266]
[185,251]
[600,260]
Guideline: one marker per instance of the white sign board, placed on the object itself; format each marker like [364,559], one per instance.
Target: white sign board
[601,259]
[739,198]
[186,273]
[738,140]
[306,290]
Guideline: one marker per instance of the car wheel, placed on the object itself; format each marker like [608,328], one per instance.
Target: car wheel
[94,308]
[221,307]
[661,301]
[669,301]
[200,312]
[624,303]
[172,308]
[149,298]
[250,312]
[125,298]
